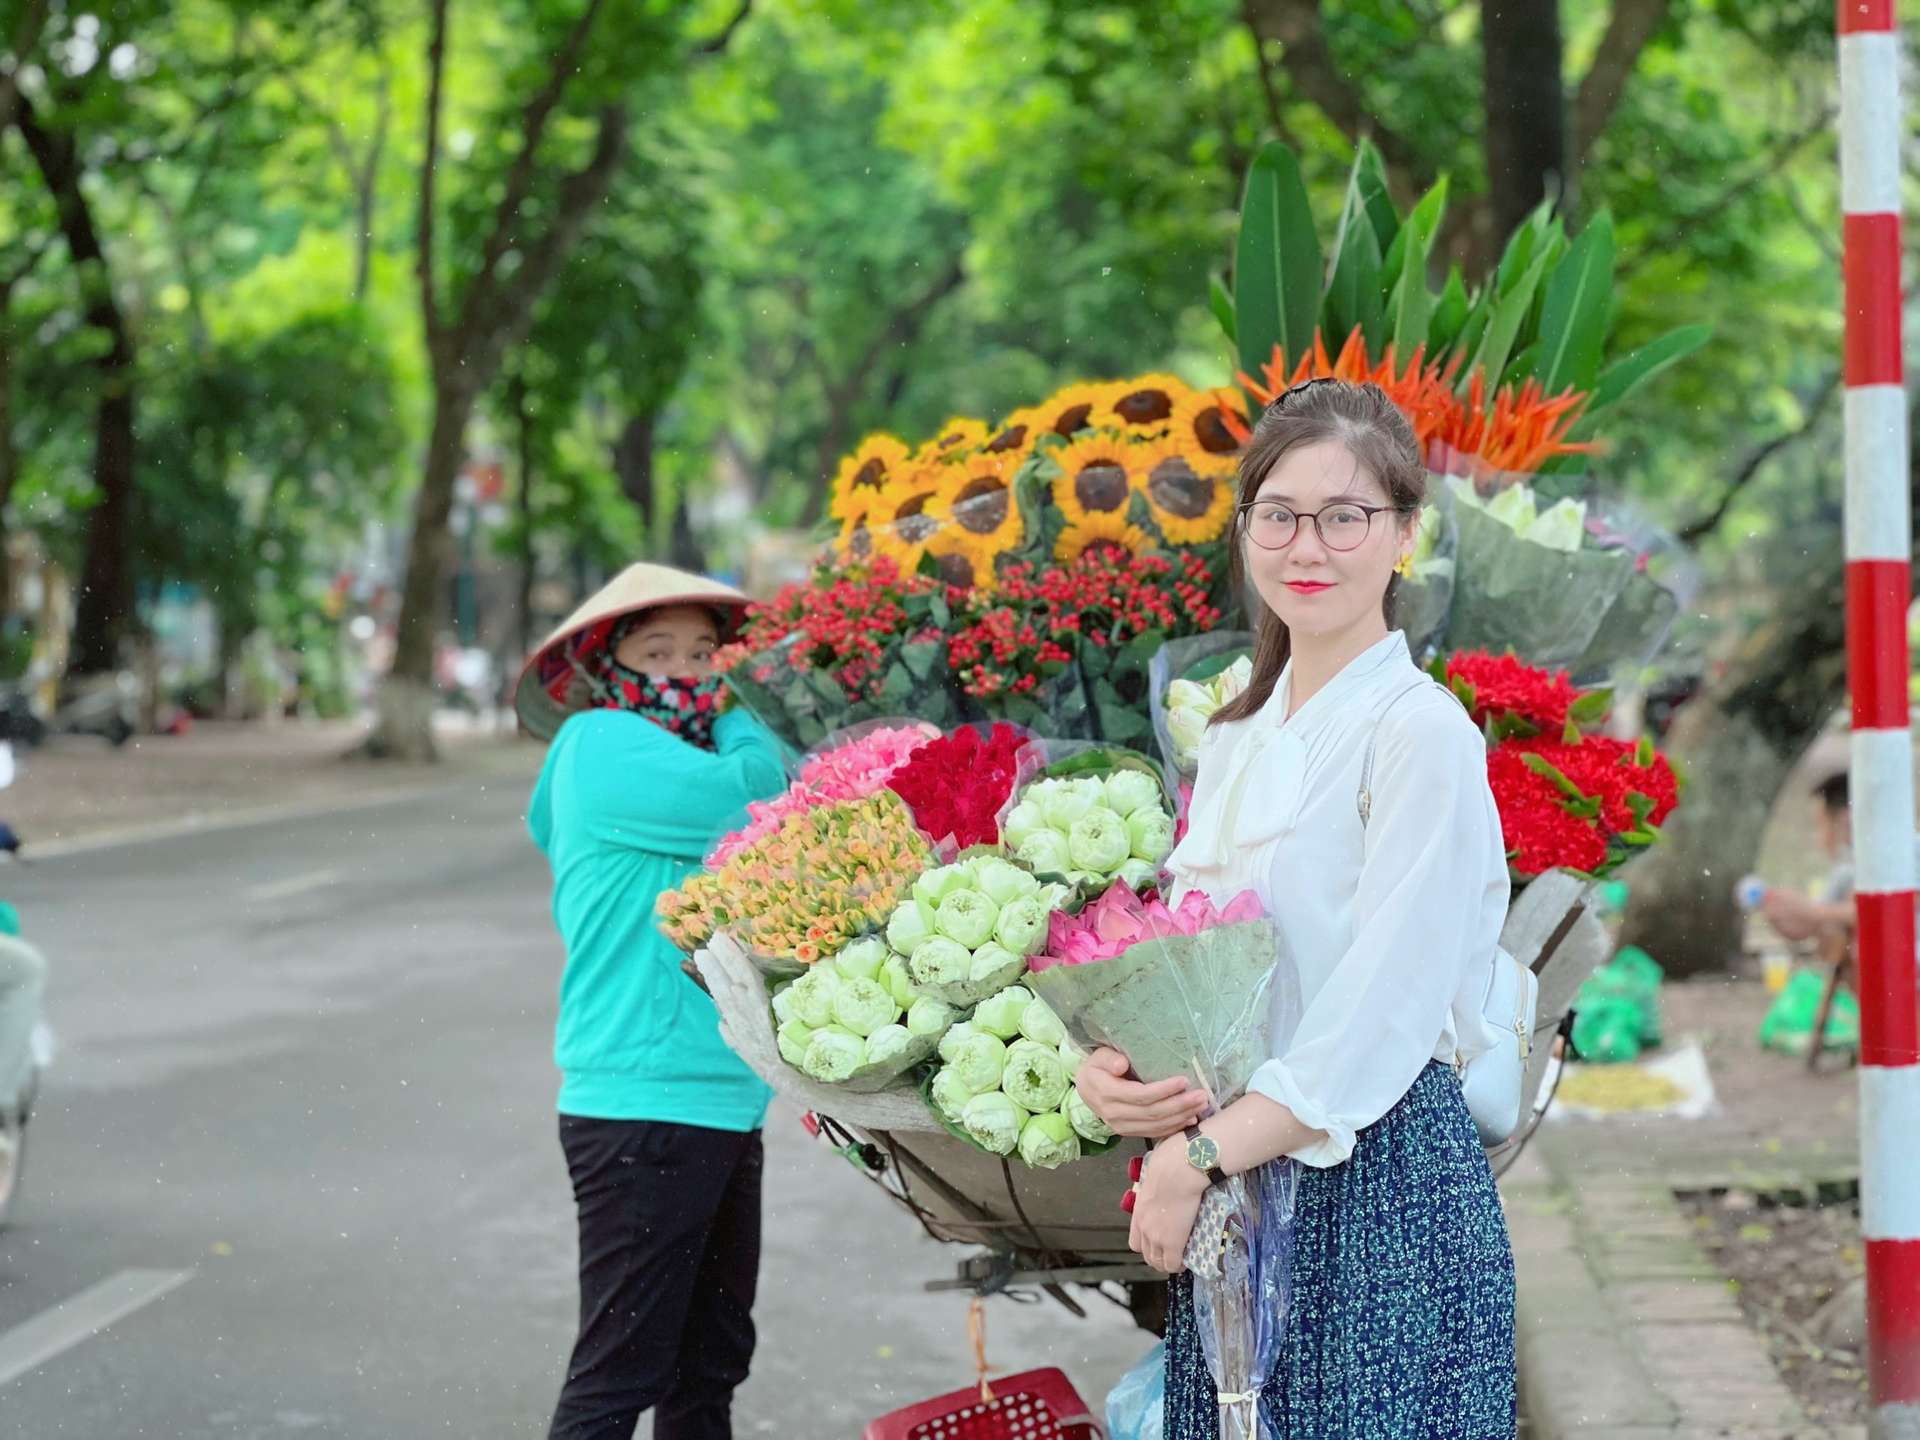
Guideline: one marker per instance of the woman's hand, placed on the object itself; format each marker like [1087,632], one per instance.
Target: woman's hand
[1165,1207]
[1149,1112]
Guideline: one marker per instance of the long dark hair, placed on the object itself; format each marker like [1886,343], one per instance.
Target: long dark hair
[1364,420]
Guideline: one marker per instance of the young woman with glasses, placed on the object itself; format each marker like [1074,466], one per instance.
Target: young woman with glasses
[1402,1314]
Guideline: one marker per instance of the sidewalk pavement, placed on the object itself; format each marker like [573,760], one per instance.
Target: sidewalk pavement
[75,792]
[1627,1329]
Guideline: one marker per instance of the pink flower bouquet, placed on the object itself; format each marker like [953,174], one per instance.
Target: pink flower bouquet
[852,770]
[1186,990]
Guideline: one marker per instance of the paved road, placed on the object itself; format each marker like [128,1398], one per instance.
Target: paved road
[300,1130]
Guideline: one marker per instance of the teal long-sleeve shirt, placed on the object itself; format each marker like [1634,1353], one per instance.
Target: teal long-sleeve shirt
[624,811]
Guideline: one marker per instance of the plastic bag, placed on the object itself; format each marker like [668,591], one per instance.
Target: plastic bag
[1137,1406]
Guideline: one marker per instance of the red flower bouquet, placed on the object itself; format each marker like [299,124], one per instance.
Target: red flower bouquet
[958,785]
[1568,800]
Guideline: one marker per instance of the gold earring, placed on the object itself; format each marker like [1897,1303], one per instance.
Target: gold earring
[1405,568]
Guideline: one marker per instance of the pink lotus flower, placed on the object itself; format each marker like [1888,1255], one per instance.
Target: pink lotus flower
[1120,919]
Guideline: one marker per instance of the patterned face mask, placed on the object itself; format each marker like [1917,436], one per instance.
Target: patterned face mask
[677,704]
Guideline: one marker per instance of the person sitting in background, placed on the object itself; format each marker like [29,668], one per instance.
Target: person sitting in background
[659,1120]
[1829,910]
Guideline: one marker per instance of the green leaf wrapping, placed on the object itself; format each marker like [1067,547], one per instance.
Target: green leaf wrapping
[1353,297]
[1193,1005]
[1222,301]
[1573,323]
[1627,374]
[1276,270]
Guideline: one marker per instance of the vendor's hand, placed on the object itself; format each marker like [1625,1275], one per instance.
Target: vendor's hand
[1165,1207]
[1130,1108]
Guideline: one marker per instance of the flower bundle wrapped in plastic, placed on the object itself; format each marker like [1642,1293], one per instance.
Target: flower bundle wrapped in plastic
[825,877]
[851,770]
[1190,990]
[1007,1083]
[965,930]
[1090,828]
[958,785]
[1572,584]
[1191,704]
[855,1020]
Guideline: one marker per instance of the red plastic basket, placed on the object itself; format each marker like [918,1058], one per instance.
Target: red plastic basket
[1033,1405]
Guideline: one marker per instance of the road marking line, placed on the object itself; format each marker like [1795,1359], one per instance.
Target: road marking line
[80,1317]
[293,885]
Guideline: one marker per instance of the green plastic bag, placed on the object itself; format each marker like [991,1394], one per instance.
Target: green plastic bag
[1606,1031]
[1788,1026]
[1617,1012]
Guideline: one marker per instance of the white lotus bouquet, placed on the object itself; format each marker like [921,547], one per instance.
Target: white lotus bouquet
[1007,1081]
[1092,829]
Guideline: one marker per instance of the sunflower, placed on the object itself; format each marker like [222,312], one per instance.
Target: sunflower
[1206,420]
[902,525]
[1141,407]
[979,520]
[1191,494]
[1101,529]
[866,475]
[1067,411]
[1013,438]
[956,437]
[1097,476]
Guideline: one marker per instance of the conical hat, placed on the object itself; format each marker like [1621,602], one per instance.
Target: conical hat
[547,683]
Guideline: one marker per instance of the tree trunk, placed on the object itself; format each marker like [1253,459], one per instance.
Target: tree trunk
[523,437]
[106,577]
[1736,744]
[404,730]
[633,463]
[683,546]
[1526,107]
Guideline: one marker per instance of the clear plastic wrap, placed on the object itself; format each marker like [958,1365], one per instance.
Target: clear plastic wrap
[1137,1406]
[1583,585]
[1197,659]
[1241,1260]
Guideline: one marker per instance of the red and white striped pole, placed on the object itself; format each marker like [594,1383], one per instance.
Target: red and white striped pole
[1879,586]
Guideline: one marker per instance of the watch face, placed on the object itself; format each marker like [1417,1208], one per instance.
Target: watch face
[1202,1152]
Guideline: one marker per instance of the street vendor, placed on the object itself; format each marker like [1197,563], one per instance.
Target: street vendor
[659,1120]
[1829,910]
[1401,1321]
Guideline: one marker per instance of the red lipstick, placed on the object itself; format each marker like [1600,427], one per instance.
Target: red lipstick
[1308,587]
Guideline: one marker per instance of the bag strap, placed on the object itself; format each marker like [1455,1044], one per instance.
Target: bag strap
[1364,800]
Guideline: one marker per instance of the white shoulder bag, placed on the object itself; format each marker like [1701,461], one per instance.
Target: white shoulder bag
[1493,1082]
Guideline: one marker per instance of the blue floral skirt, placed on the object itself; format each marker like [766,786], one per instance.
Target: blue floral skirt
[1402,1323]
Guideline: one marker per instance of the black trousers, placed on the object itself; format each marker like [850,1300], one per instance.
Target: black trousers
[669,1256]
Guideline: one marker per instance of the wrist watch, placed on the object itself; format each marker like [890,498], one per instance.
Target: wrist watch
[1204,1155]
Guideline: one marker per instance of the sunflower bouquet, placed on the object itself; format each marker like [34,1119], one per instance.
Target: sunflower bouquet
[827,876]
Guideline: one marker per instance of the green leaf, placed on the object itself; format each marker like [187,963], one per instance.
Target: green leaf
[1630,372]
[1641,808]
[939,612]
[1121,722]
[920,659]
[1143,647]
[1570,733]
[1503,327]
[1277,264]
[1479,316]
[1643,753]
[1540,765]
[1353,297]
[1521,366]
[1517,259]
[1591,706]
[1449,315]
[1422,224]
[1573,324]
[1410,308]
[1222,301]
[897,686]
[1367,190]
[1094,659]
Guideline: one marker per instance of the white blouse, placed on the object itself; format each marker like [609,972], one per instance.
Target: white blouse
[1392,926]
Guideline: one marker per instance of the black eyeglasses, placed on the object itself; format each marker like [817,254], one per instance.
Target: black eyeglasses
[1342,527]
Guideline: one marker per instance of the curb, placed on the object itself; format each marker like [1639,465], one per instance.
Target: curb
[1624,1327]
